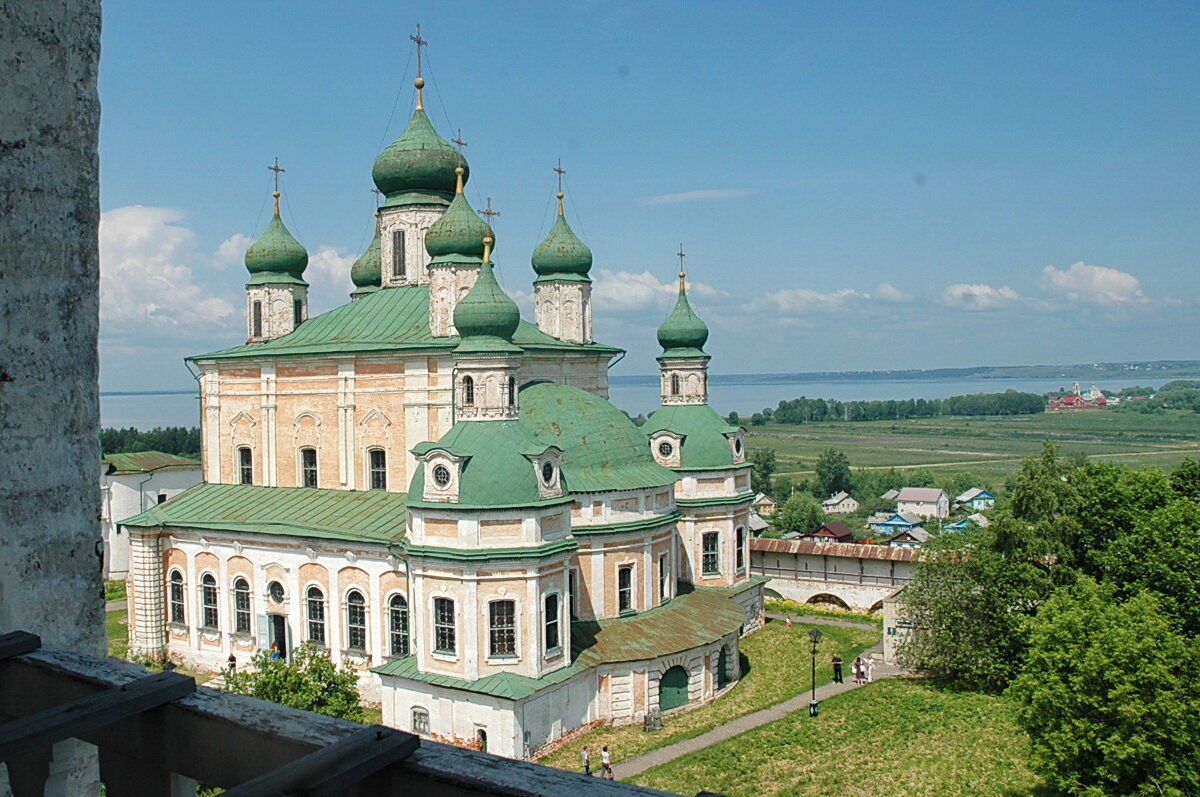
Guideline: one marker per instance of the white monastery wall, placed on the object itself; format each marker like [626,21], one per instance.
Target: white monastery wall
[127,495]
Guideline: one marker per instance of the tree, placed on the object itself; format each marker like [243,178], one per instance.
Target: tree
[1107,694]
[310,681]
[762,462]
[732,419]
[833,472]
[800,513]
[1185,481]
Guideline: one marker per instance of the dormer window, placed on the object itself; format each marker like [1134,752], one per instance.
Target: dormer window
[666,448]
[441,476]
[548,472]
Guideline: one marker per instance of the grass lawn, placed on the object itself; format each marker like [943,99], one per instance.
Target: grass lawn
[114,589]
[780,664]
[117,624]
[895,737]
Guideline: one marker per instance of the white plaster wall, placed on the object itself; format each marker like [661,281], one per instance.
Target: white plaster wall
[693,381]
[563,309]
[455,717]
[415,220]
[130,494]
[278,311]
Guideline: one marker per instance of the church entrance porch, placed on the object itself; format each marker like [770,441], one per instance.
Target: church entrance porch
[673,689]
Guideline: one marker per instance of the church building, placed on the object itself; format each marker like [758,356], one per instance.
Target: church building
[439,493]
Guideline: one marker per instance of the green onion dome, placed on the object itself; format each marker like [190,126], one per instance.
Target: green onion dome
[418,162]
[562,252]
[486,310]
[367,270]
[459,232]
[277,251]
[683,332]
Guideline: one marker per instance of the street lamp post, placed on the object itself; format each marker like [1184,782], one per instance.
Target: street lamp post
[815,637]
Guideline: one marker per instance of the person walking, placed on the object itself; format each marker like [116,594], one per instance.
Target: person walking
[837,668]
[605,763]
[587,761]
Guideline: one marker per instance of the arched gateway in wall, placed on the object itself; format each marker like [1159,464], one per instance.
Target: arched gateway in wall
[673,689]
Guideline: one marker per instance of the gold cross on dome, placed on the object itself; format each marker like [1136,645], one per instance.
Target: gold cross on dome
[682,271]
[420,43]
[278,171]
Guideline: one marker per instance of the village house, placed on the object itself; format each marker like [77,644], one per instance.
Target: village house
[835,531]
[909,538]
[975,499]
[840,504]
[928,502]
[897,522]
[764,505]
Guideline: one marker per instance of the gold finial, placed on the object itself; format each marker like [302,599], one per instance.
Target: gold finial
[278,171]
[377,215]
[682,270]
[487,248]
[561,171]
[559,197]
[458,185]
[420,81]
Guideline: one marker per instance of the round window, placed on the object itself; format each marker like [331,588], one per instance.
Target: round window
[665,448]
[275,591]
[737,445]
[548,472]
[441,475]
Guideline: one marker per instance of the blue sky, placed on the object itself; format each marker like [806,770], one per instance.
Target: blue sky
[858,185]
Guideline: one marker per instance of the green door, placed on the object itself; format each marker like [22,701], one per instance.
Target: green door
[673,689]
[722,677]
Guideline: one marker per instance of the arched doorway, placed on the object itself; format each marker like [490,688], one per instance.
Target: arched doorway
[673,689]
[481,739]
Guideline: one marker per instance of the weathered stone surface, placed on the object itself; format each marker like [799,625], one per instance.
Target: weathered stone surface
[49,317]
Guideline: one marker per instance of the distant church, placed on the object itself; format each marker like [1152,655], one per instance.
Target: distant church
[440,494]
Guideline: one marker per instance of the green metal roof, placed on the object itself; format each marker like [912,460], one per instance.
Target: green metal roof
[367,271]
[561,252]
[703,431]
[688,621]
[145,462]
[352,515]
[390,319]
[277,250]
[485,312]
[602,449]
[418,165]
[457,237]
[683,333]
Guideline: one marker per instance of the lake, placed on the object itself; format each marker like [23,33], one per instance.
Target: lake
[639,394]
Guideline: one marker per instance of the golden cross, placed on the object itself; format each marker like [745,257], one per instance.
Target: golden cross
[682,271]
[561,171]
[278,171]
[491,214]
[420,43]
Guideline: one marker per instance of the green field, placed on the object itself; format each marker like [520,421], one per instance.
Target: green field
[780,663]
[896,737]
[989,446]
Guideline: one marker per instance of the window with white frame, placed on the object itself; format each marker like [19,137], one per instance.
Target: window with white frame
[315,609]
[378,465]
[573,593]
[398,264]
[398,625]
[420,720]
[468,391]
[553,627]
[502,628]
[512,391]
[177,605]
[297,312]
[740,553]
[256,317]
[443,626]
[308,467]
[674,384]
[241,606]
[710,553]
[245,465]
[356,620]
[664,578]
[208,601]
[625,588]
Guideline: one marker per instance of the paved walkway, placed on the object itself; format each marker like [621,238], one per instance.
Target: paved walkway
[820,619]
[638,765]
[116,606]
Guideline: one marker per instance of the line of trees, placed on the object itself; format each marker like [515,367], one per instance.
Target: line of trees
[819,410]
[179,440]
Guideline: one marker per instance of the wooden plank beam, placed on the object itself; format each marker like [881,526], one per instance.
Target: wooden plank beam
[89,713]
[17,643]
[333,770]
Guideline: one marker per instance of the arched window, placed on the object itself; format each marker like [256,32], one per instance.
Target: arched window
[177,612]
[241,606]
[674,384]
[512,391]
[740,554]
[356,621]
[256,320]
[553,638]
[315,607]
[308,467]
[245,465]
[468,389]
[378,463]
[502,628]
[420,720]
[398,264]
[208,600]
[398,625]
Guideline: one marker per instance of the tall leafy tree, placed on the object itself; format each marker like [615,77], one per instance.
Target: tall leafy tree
[311,681]
[801,512]
[1185,481]
[762,469]
[1108,695]
[833,472]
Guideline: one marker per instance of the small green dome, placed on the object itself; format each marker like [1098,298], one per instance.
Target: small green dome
[459,231]
[277,250]
[683,329]
[418,161]
[486,310]
[367,271]
[562,252]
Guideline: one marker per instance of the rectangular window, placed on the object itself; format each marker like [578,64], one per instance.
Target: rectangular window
[740,554]
[378,459]
[297,312]
[162,497]
[443,626]
[246,465]
[256,320]
[553,639]
[398,264]
[710,555]
[573,593]
[420,721]
[664,579]
[625,588]
[502,628]
[308,467]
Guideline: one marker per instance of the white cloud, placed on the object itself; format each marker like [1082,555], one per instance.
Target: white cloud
[232,251]
[706,195]
[622,291]
[978,297]
[328,276]
[887,292]
[1094,284]
[146,287]
[797,301]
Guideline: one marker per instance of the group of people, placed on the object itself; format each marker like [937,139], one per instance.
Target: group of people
[605,762]
[864,670]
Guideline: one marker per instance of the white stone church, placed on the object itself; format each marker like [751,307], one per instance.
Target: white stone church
[439,494]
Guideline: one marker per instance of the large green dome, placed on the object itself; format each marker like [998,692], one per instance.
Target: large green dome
[562,252]
[418,162]
[486,310]
[683,332]
[458,233]
[367,271]
[277,250]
